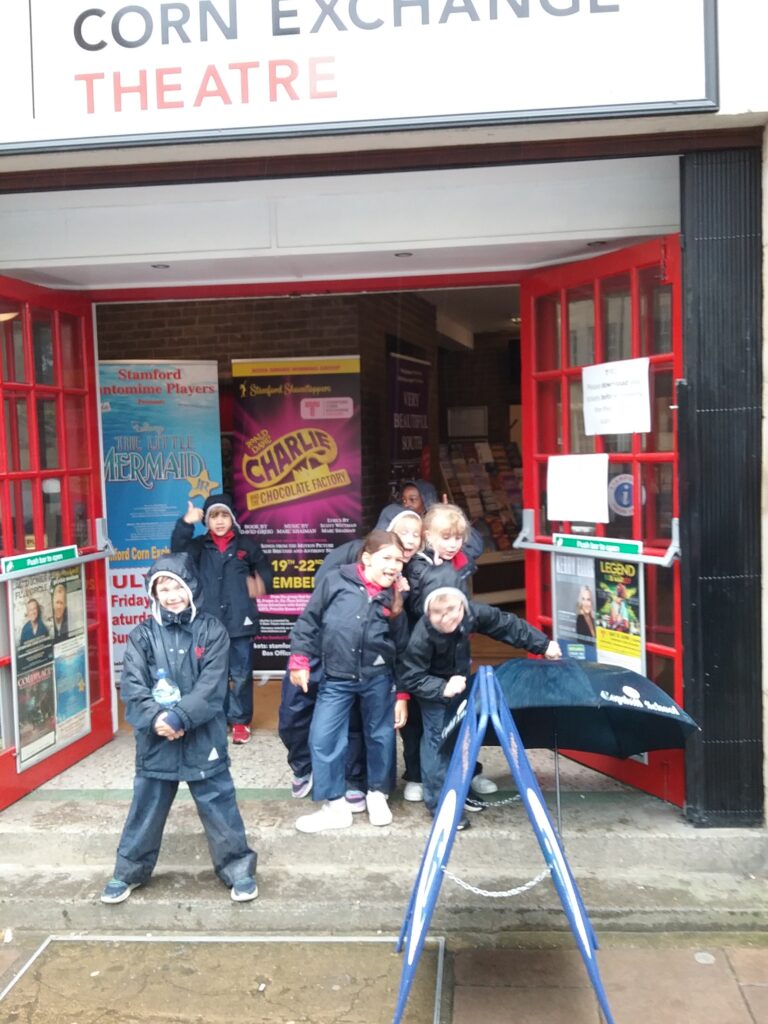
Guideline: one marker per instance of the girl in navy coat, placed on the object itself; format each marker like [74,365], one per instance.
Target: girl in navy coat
[354,624]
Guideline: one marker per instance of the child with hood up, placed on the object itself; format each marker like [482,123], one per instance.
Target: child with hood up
[173,685]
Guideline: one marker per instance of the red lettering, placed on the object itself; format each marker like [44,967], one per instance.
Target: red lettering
[285,80]
[120,89]
[244,67]
[216,87]
[89,97]
[315,77]
[163,87]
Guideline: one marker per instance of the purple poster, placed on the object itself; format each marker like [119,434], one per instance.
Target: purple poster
[296,477]
[409,416]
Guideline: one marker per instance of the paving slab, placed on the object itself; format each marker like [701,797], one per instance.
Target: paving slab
[178,982]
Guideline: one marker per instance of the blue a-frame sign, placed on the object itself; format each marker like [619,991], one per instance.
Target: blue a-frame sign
[485,702]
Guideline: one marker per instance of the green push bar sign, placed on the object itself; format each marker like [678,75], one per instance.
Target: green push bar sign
[596,545]
[39,559]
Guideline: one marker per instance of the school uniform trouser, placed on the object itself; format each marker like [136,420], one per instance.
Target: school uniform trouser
[434,761]
[329,731]
[294,721]
[411,734]
[214,798]
[238,704]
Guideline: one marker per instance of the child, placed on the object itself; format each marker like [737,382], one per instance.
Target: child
[297,706]
[181,733]
[436,664]
[445,531]
[234,572]
[354,624]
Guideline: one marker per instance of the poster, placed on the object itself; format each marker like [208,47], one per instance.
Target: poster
[296,477]
[162,448]
[617,397]
[408,417]
[50,669]
[598,600]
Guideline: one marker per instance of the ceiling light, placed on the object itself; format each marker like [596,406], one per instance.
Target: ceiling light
[596,245]
[4,317]
[160,266]
[403,255]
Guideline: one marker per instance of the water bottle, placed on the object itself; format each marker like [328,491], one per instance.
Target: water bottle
[165,691]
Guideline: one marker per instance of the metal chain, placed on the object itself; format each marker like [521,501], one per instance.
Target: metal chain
[518,891]
[505,802]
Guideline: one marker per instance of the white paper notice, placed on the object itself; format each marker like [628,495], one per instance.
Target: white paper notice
[616,398]
[577,488]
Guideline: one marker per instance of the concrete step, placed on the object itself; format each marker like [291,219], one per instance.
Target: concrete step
[605,835]
[329,901]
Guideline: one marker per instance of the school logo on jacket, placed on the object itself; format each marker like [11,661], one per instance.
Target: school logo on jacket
[199,652]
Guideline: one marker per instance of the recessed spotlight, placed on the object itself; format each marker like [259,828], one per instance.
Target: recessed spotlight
[403,255]
[596,245]
[160,266]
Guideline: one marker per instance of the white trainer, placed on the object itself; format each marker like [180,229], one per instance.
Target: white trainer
[378,808]
[333,814]
[413,792]
[482,785]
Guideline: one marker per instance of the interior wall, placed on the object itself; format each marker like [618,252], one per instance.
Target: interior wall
[283,327]
[487,375]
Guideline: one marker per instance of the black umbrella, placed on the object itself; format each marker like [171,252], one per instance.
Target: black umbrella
[592,707]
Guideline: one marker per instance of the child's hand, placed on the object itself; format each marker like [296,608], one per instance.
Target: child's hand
[402,586]
[166,731]
[193,514]
[300,677]
[455,686]
[553,651]
[256,588]
[401,713]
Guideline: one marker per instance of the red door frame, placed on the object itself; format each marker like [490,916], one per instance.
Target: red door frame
[664,774]
[77,307]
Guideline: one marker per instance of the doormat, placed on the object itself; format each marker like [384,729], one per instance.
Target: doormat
[127,979]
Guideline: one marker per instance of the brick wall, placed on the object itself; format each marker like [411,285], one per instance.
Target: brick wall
[295,326]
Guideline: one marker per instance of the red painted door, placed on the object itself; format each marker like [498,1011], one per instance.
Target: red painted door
[622,305]
[50,494]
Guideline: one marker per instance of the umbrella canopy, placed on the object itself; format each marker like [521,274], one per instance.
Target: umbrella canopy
[591,707]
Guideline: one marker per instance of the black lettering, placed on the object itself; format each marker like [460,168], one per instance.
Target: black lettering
[520,7]
[277,16]
[327,10]
[400,4]
[464,7]
[558,12]
[208,10]
[357,21]
[177,23]
[117,34]
[78,29]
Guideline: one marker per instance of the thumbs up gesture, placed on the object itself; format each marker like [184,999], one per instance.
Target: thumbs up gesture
[193,514]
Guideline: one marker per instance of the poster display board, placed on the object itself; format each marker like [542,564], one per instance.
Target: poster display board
[598,600]
[296,477]
[408,417]
[49,654]
[162,448]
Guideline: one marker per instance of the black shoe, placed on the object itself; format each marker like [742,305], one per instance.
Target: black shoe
[463,824]
[473,805]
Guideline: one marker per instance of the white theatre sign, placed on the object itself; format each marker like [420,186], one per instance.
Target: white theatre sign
[75,75]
